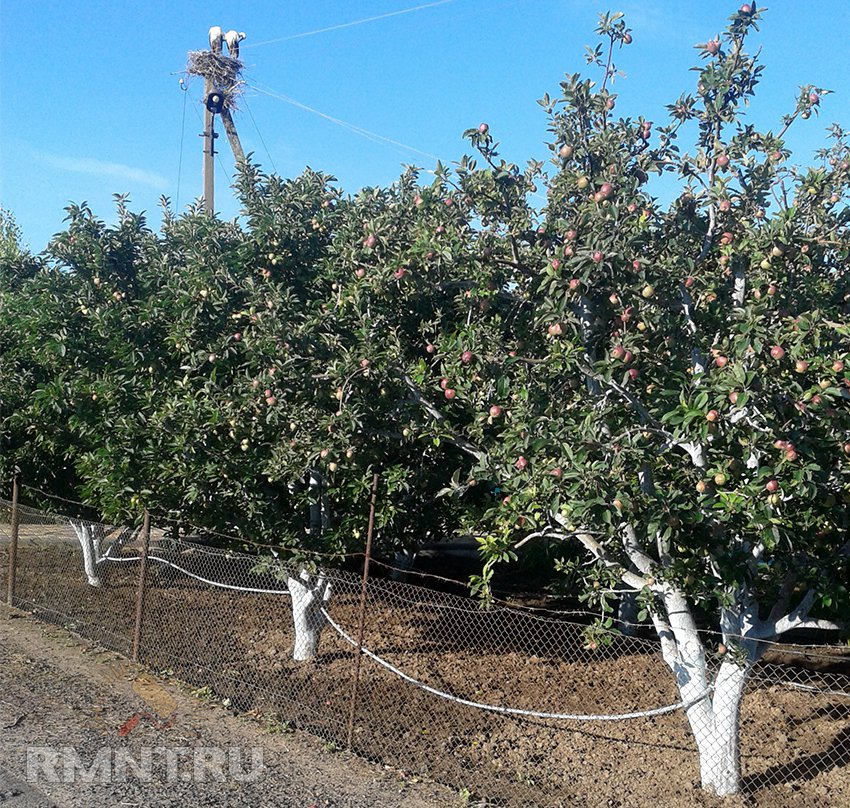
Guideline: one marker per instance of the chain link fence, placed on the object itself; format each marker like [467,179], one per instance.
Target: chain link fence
[509,706]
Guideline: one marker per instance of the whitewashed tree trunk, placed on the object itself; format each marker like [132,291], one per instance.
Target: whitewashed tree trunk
[310,594]
[713,713]
[90,545]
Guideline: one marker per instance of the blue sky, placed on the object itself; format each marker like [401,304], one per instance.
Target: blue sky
[91,104]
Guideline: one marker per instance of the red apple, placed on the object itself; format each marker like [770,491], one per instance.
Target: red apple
[721,361]
[555,330]
[444,383]
[495,411]
[633,373]
[267,393]
[846,448]
[727,238]
[689,282]
[400,273]
[722,160]
[618,352]
[777,352]
[711,416]
[449,393]
[814,98]
[360,272]
[556,264]
[364,363]
[483,128]
[270,400]
[606,189]
[801,366]
[838,366]
[712,46]
[772,486]
[725,205]
[521,463]
[556,472]
[466,357]
[791,455]
[430,348]
[575,283]
[370,241]
[570,235]
[598,256]
[237,336]
[733,396]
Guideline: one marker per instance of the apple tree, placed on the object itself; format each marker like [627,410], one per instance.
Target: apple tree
[665,385]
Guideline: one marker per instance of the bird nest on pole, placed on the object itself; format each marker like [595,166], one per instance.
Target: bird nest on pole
[224,72]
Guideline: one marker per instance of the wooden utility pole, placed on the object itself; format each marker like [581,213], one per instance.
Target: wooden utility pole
[209,149]
[222,83]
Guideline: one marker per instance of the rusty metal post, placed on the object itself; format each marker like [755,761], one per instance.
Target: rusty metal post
[13,546]
[140,597]
[361,620]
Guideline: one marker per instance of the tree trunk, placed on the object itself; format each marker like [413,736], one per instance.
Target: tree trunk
[309,596]
[91,551]
[719,752]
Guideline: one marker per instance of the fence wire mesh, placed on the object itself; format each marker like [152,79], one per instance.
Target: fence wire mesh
[217,621]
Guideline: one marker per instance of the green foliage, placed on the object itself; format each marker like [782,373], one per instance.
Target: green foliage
[668,385]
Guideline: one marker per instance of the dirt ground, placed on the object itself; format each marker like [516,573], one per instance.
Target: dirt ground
[58,690]
[235,648]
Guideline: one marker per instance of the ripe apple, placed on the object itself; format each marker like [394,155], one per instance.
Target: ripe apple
[772,486]
[364,363]
[271,400]
[495,411]
[846,448]
[598,256]
[711,416]
[722,160]
[237,336]
[483,128]
[565,151]
[444,383]
[449,393]
[777,352]
[606,189]
[614,299]
[712,46]
[370,241]
[555,330]
[801,366]
[838,366]
[633,373]
[556,264]
[791,455]
[575,283]
[814,98]
[430,348]
[727,238]
[360,272]
[521,463]
[725,206]
[325,452]
[267,393]
[466,357]
[721,361]
[440,230]
[701,487]
[618,352]
[733,396]
[400,273]
[570,235]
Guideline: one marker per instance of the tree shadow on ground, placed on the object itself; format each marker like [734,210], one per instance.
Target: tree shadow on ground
[837,754]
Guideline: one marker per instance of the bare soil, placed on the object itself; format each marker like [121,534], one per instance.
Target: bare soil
[795,743]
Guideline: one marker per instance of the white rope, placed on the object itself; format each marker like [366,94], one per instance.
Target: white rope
[512,710]
[204,580]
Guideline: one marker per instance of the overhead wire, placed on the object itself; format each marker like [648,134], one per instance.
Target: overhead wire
[351,24]
[358,130]
[185,88]
[260,134]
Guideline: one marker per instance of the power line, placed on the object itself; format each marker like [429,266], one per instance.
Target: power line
[262,139]
[348,24]
[185,88]
[373,136]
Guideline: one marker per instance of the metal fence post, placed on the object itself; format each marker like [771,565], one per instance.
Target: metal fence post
[140,597]
[361,620]
[13,546]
